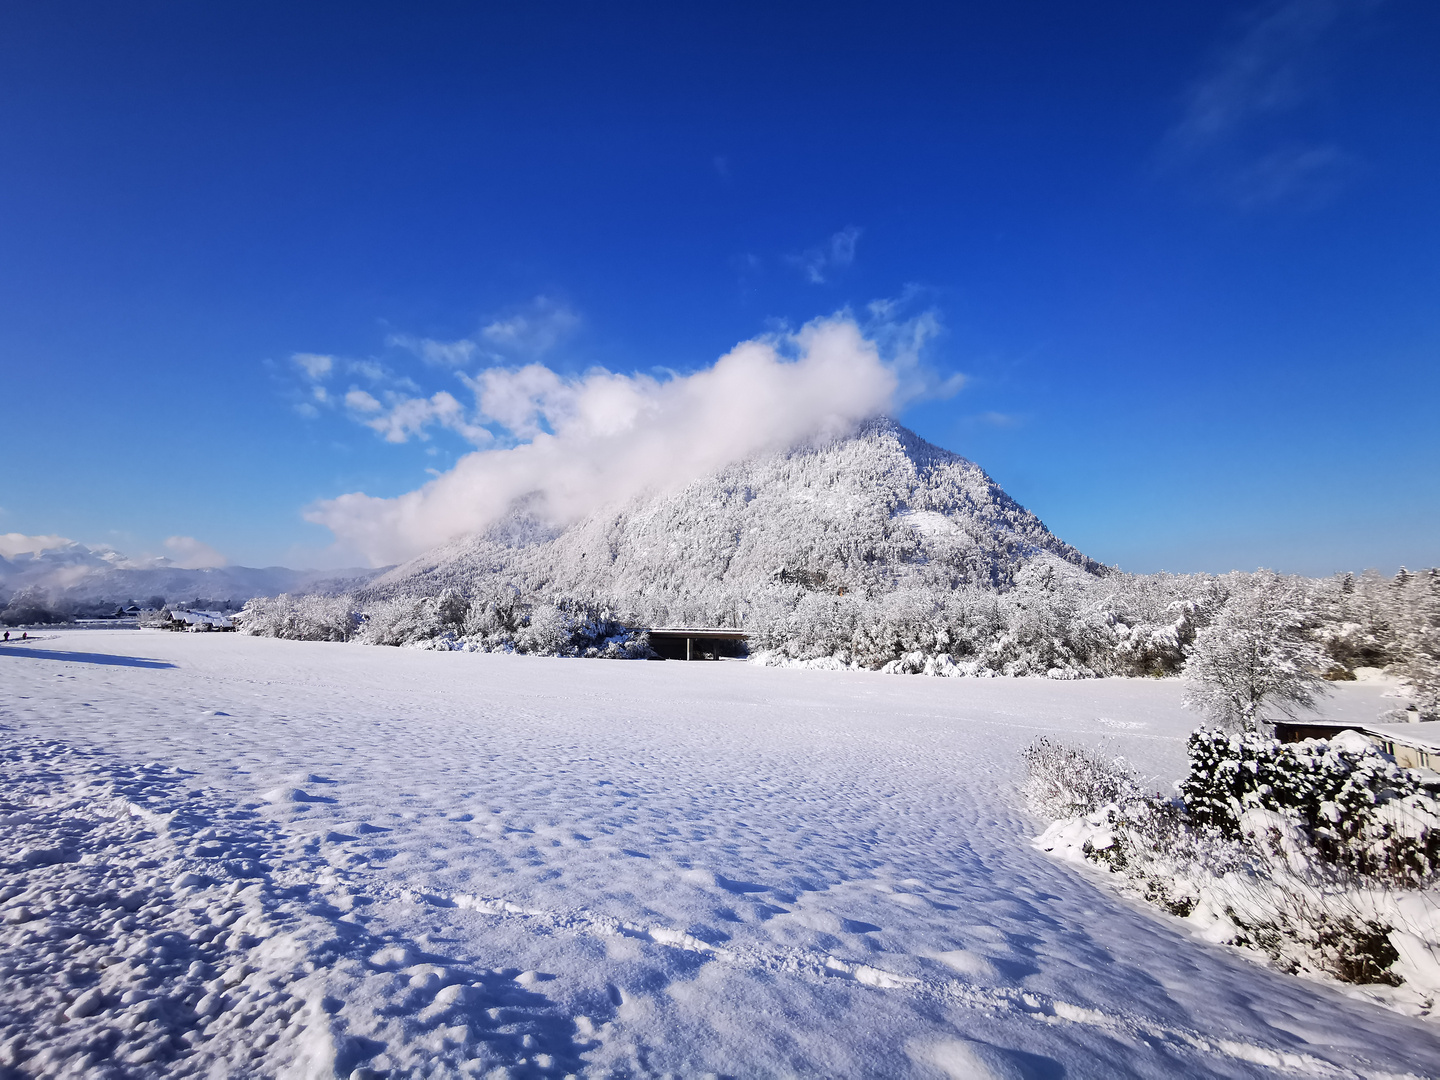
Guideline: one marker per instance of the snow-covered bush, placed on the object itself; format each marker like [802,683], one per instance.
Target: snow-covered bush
[1422,669]
[570,629]
[156,619]
[493,620]
[1065,781]
[1354,805]
[407,621]
[1321,855]
[596,633]
[299,618]
[1373,621]
[1053,621]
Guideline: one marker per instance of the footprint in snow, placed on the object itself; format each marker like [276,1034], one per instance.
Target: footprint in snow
[237,977]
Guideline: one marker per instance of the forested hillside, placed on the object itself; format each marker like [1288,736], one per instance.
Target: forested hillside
[862,516]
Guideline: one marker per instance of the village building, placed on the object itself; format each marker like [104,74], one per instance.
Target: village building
[1411,749]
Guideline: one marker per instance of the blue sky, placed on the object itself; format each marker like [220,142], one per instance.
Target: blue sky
[1186,255]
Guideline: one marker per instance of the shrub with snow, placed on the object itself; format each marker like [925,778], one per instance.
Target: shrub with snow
[408,621]
[497,620]
[1355,807]
[546,632]
[1065,781]
[1323,855]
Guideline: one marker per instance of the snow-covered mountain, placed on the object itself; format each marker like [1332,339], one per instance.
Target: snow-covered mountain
[86,576]
[867,514]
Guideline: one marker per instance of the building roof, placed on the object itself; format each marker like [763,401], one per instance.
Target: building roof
[1402,733]
[720,633]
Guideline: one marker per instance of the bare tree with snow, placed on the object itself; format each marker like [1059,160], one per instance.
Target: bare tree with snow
[1256,655]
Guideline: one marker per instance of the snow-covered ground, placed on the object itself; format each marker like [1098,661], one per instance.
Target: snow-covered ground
[241,856]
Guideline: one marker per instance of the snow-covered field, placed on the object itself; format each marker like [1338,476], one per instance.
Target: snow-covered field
[240,856]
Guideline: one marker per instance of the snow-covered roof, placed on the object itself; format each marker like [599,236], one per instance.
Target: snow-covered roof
[694,631]
[1395,733]
[194,618]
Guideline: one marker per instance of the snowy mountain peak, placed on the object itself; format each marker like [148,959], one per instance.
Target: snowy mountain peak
[869,513]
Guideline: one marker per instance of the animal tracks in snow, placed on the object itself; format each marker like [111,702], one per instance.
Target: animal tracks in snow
[191,957]
[965,993]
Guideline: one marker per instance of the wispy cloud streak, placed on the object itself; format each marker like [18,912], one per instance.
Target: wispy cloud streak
[1232,137]
[819,264]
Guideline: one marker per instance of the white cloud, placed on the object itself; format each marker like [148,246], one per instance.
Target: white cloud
[12,544]
[369,370]
[362,401]
[996,419]
[533,330]
[1310,174]
[444,353]
[190,554]
[817,264]
[904,342]
[521,400]
[315,366]
[1260,74]
[601,437]
[400,417]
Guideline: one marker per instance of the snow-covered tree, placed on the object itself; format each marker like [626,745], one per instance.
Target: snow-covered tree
[300,618]
[1256,656]
[1420,638]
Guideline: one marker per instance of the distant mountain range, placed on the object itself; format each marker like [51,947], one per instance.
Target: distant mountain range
[867,514]
[89,576]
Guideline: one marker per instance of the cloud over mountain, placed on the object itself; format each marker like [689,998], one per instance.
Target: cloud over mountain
[601,437]
[187,553]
